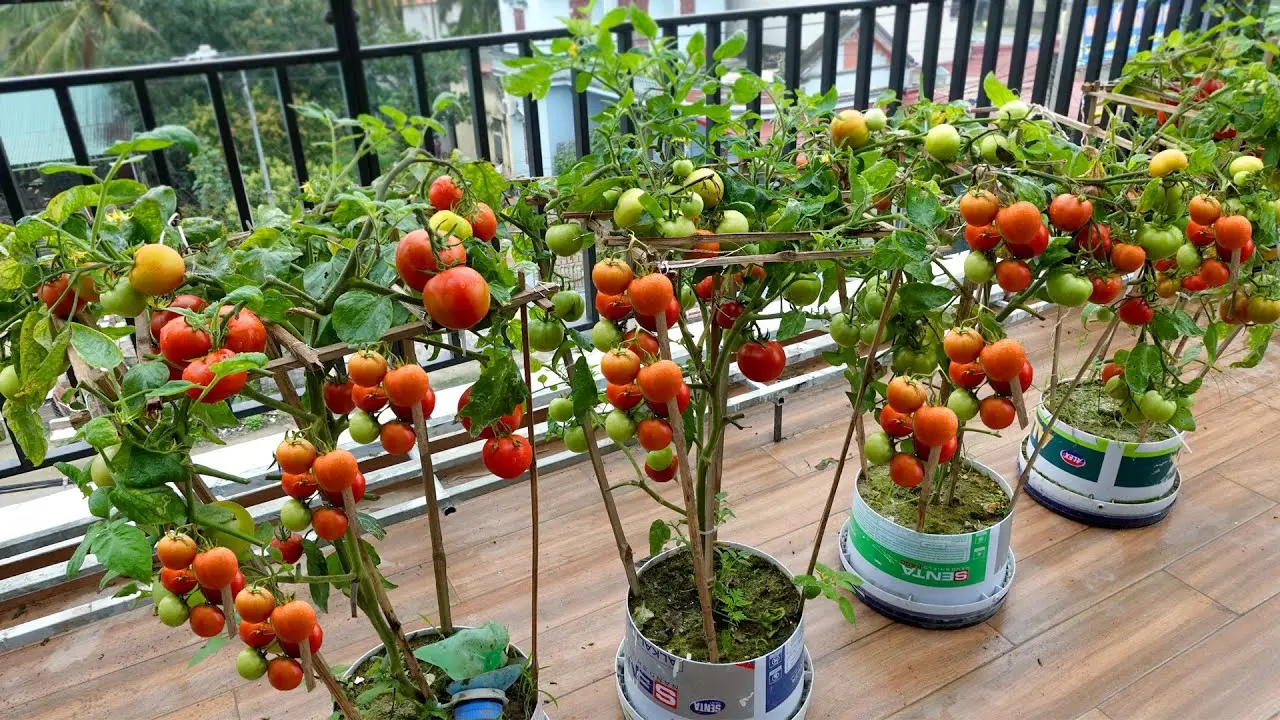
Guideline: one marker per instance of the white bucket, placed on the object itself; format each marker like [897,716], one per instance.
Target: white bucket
[656,685]
[929,580]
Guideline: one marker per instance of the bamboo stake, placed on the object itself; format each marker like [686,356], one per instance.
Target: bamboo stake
[349,711]
[700,575]
[229,610]
[439,564]
[533,496]
[717,461]
[1046,432]
[926,488]
[855,423]
[1057,342]
[1019,405]
[610,507]
[307,664]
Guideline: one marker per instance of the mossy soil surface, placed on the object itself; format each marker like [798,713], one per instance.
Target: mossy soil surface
[1092,410]
[521,697]
[979,502]
[756,606]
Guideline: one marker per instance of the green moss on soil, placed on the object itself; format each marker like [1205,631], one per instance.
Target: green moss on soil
[1092,410]
[979,503]
[668,613]
[521,697]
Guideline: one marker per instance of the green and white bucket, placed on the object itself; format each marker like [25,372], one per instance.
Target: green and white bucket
[1098,481]
[928,580]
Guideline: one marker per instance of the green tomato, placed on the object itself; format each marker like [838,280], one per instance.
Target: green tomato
[560,410]
[1117,388]
[1276,205]
[363,427]
[1011,112]
[1104,315]
[867,333]
[629,209]
[904,361]
[992,147]
[844,331]
[878,448]
[804,290]
[734,222]
[978,268]
[875,119]
[295,516]
[9,382]
[100,503]
[1155,408]
[545,335]
[1159,242]
[1241,178]
[1068,290]
[159,592]
[251,664]
[688,298]
[676,227]
[691,206]
[565,239]
[447,222]
[707,184]
[611,197]
[1184,401]
[1188,257]
[100,467]
[619,426]
[172,611]
[569,305]
[1133,414]
[1245,164]
[963,404]
[871,301]
[123,300]
[682,167]
[660,459]
[926,361]
[942,142]
[605,336]
[575,439]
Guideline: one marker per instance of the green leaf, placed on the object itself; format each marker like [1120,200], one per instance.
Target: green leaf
[1259,338]
[96,349]
[158,139]
[150,506]
[613,18]
[731,47]
[659,534]
[360,316]
[900,249]
[997,92]
[371,525]
[25,426]
[141,378]
[100,503]
[76,474]
[919,298]
[72,200]
[100,433]
[791,325]
[1183,420]
[82,550]
[208,649]
[317,565]
[170,388]
[880,175]
[124,549]
[52,168]
[1138,368]
[583,387]
[497,392]
[1029,190]
[141,468]
[258,263]
[746,88]
[485,183]
[239,362]
[923,208]
[644,24]
[697,43]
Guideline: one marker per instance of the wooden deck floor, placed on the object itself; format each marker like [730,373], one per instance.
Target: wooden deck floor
[1177,620]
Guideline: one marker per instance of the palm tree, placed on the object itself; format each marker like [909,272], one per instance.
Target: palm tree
[41,39]
[475,17]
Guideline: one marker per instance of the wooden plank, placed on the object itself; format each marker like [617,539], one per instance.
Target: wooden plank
[221,707]
[1255,469]
[1237,569]
[1068,578]
[1035,528]
[1219,439]
[1229,675]
[1074,666]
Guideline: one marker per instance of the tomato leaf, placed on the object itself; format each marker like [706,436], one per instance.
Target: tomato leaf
[918,298]
[100,433]
[496,393]
[96,349]
[76,562]
[1140,367]
[140,468]
[846,608]
[645,25]
[100,502]
[371,525]
[731,47]
[317,565]
[900,249]
[659,534]
[123,548]
[997,92]
[140,380]
[23,419]
[791,325]
[171,388]
[1183,420]
[1259,338]
[53,168]
[208,649]
[583,389]
[77,475]
[880,175]
[486,183]
[238,363]
[360,316]
[923,208]
[158,139]
[151,506]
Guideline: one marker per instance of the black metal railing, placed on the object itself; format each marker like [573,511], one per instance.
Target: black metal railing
[1055,79]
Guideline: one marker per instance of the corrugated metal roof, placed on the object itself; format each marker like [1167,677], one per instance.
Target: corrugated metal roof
[32,130]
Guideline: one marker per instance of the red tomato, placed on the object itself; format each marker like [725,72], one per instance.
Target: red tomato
[207,620]
[457,298]
[444,193]
[329,523]
[1135,311]
[357,491]
[484,224]
[906,471]
[180,343]
[406,385]
[290,549]
[966,375]
[1025,376]
[284,674]
[417,261]
[728,313]
[683,396]
[64,302]
[1193,283]
[299,486]
[338,398]
[1106,290]
[405,412]
[661,475]
[213,595]
[1013,276]
[397,438]
[369,399]
[1036,247]
[1069,212]
[896,424]
[949,449]
[650,322]
[981,237]
[160,318]
[178,582]
[762,362]
[613,307]
[245,332]
[505,425]
[1094,239]
[623,397]
[654,433]
[997,413]
[507,457]
[256,634]
[317,639]
[200,373]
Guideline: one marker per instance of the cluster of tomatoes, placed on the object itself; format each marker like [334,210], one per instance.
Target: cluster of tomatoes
[504,453]
[156,270]
[906,413]
[193,346]
[433,261]
[194,581]
[304,473]
[632,366]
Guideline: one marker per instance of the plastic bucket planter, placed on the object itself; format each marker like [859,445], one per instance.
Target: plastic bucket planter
[653,684]
[539,714]
[1102,482]
[927,580]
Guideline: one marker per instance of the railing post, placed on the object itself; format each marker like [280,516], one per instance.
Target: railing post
[347,32]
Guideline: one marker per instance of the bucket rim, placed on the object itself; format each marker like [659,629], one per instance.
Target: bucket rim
[1171,444]
[984,469]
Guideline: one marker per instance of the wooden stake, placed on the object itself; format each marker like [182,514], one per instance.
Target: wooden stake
[1222,351]
[438,562]
[307,669]
[349,711]
[1057,342]
[700,575]
[1020,405]
[533,496]
[229,611]
[855,423]
[926,487]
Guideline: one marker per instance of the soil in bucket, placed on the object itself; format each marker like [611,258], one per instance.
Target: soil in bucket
[521,696]
[756,606]
[979,502]
[1092,410]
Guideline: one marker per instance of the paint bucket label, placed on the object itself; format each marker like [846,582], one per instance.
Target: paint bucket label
[942,561]
[1108,470]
